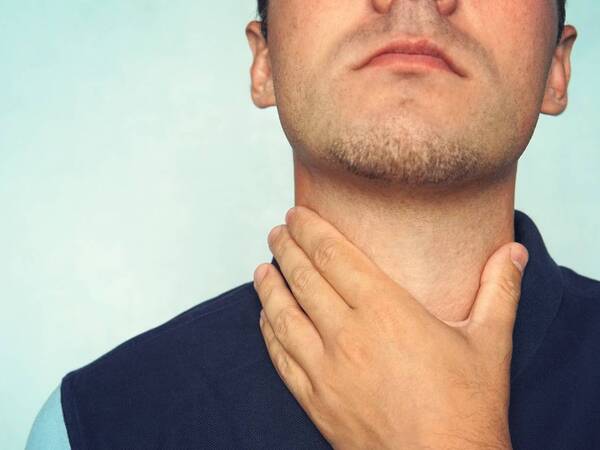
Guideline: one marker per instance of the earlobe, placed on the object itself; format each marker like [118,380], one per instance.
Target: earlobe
[262,91]
[556,93]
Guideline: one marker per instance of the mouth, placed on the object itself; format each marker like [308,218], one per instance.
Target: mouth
[409,55]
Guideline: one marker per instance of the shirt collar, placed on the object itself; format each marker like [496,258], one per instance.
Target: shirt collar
[541,294]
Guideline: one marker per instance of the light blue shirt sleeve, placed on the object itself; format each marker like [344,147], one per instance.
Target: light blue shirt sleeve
[48,431]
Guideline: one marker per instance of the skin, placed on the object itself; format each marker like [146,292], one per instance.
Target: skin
[368,363]
[416,168]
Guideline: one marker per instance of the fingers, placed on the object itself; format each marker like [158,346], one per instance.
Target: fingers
[294,330]
[325,308]
[292,373]
[495,308]
[353,275]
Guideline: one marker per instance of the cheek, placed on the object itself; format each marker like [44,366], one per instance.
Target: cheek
[297,26]
[306,34]
[520,34]
[290,43]
[302,35]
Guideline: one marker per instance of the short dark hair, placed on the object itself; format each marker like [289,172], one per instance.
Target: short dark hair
[263,6]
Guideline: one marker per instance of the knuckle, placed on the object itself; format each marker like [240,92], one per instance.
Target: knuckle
[284,321]
[310,393]
[283,364]
[326,252]
[270,337]
[301,278]
[510,288]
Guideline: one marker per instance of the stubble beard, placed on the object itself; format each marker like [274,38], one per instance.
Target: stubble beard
[402,153]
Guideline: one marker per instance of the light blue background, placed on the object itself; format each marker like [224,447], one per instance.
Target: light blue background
[137,178]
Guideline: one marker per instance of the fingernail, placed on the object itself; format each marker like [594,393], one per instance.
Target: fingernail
[519,257]
[262,318]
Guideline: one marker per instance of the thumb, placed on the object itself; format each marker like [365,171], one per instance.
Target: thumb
[495,306]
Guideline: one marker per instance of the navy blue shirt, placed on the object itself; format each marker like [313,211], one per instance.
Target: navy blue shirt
[204,379]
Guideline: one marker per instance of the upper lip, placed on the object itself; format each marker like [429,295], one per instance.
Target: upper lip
[413,47]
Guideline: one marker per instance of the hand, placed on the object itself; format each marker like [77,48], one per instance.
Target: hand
[369,364]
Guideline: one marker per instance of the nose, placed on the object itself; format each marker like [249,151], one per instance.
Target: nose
[444,7]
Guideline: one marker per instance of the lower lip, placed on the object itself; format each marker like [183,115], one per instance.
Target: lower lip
[406,62]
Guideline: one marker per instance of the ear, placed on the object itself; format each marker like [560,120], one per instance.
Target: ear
[262,91]
[555,96]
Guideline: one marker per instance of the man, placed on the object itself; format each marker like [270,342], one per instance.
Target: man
[406,119]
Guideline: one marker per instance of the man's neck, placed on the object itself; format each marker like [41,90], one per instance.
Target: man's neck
[435,245]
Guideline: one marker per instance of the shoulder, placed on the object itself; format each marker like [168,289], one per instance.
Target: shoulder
[580,308]
[48,429]
[166,373]
[211,324]
[580,286]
